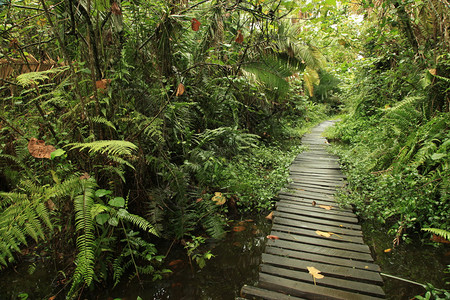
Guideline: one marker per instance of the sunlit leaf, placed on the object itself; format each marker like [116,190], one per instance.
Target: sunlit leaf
[324,234]
[327,207]
[315,273]
[270,216]
[180,90]
[387,250]
[219,198]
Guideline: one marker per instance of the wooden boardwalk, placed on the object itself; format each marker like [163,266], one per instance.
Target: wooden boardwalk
[302,214]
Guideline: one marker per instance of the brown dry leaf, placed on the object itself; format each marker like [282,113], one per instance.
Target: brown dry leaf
[180,90]
[198,200]
[51,205]
[327,207]
[85,176]
[39,149]
[103,84]
[324,234]
[315,273]
[239,38]
[238,228]
[387,250]
[219,198]
[313,203]
[432,71]
[270,216]
[115,9]
[272,237]
[176,262]
[366,267]
[195,24]
[52,298]
[439,239]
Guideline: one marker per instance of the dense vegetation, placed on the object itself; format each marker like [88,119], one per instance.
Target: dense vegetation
[126,122]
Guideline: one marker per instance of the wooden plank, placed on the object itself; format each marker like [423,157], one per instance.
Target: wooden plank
[306,195]
[316,220]
[307,290]
[253,291]
[327,270]
[319,181]
[330,252]
[318,214]
[321,227]
[349,285]
[335,210]
[312,233]
[321,241]
[308,199]
[295,199]
[318,171]
[314,189]
[345,262]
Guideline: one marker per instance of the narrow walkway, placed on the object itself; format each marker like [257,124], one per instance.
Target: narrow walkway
[310,230]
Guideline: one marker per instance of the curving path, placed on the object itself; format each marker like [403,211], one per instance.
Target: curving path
[310,230]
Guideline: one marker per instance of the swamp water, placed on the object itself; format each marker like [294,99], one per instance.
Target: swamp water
[236,261]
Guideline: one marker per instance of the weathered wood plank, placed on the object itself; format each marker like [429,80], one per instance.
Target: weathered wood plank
[314,226]
[335,210]
[312,233]
[251,291]
[325,251]
[316,220]
[327,281]
[318,214]
[308,290]
[307,200]
[321,241]
[312,257]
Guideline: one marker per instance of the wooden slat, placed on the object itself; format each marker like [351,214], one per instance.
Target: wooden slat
[328,281]
[322,258]
[321,227]
[325,251]
[315,220]
[250,291]
[318,214]
[335,210]
[321,241]
[326,269]
[308,290]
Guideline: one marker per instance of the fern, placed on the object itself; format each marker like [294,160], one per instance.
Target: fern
[110,147]
[136,220]
[84,224]
[104,121]
[439,232]
[31,78]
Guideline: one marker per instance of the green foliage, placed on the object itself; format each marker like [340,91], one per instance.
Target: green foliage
[439,232]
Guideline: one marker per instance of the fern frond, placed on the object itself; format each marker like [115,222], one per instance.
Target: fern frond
[30,78]
[439,232]
[110,147]
[104,121]
[137,220]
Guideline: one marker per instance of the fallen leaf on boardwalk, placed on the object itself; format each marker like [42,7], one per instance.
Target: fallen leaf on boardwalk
[366,267]
[195,24]
[387,250]
[238,228]
[327,207]
[180,90]
[39,149]
[324,234]
[299,189]
[270,216]
[219,198]
[315,273]
[314,203]
[272,237]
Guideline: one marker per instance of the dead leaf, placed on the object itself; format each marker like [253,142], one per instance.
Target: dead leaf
[38,149]
[238,228]
[115,9]
[324,234]
[102,85]
[432,71]
[85,176]
[239,38]
[176,262]
[51,205]
[198,200]
[439,239]
[315,273]
[272,237]
[313,203]
[327,207]
[387,250]
[195,24]
[248,220]
[180,90]
[52,298]
[219,198]
[270,216]
[366,267]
